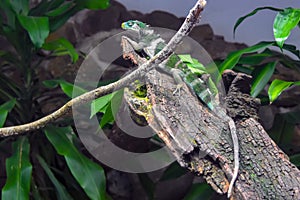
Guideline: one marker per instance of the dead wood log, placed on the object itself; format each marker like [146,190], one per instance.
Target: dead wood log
[202,142]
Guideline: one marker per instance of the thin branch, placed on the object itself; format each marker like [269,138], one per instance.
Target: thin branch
[190,21]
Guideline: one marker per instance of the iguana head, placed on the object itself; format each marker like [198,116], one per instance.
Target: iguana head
[133,25]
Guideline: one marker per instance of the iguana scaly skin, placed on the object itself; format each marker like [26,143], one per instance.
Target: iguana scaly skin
[150,43]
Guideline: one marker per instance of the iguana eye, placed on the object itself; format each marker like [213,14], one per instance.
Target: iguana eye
[130,23]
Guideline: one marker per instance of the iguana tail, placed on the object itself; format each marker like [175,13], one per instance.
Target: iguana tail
[235,153]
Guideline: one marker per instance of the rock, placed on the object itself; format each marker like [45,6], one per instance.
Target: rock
[162,19]
[91,22]
[202,32]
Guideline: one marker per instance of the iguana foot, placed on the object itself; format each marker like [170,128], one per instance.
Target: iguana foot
[128,51]
[178,88]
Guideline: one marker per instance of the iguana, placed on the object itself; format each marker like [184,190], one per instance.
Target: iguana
[148,44]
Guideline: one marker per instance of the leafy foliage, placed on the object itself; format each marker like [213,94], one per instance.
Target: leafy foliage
[284,22]
[18,169]
[5,109]
[262,76]
[260,62]
[108,105]
[199,191]
[277,86]
[89,175]
[61,47]
[27,29]
[61,191]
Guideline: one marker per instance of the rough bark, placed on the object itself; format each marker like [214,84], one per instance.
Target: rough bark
[202,142]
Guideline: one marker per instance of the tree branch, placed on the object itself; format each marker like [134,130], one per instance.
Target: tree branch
[187,26]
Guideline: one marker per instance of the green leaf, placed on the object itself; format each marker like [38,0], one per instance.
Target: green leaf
[10,57]
[147,184]
[172,172]
[284,22]
[51,83]
[283,128]
[60,10]
[262,76]
[241,19]
[108,116]
[5,109]
[212,86]
[199,191]
[276,87]
[66,87]
[44,6]
[186,58]
[8,105]
[20,6]
[37,28]
[60,47]
[109,105]
[98,104]
[61,191]
[9,14]
[69,89]
[18,170]
[58,21]
[93,4]
[257,58]
[117,101]
[295,159]
[88,174]
[233,58]
[292,48]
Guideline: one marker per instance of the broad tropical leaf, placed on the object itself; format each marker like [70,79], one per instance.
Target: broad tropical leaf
[278,86]
[295,159]
[61,47]
[93,4]
[172,172]
[199,191]
[60,10]
[262,76]
[284,22]
[88,174]
[20,6]
[5,109]
[69,89]
[186,58]
[18,169]
[233,58]
[37,28]
[241,19]
[61,191]
[99,104]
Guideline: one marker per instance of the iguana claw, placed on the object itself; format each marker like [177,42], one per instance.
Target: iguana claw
[178,88]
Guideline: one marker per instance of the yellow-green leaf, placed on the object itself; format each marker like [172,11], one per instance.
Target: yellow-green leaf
[186,58]
[284,22]
[276,87]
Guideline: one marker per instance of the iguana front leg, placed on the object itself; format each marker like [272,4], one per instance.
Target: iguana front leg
[175,73]
[130,48]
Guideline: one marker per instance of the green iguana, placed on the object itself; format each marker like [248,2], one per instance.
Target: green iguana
[149,44]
